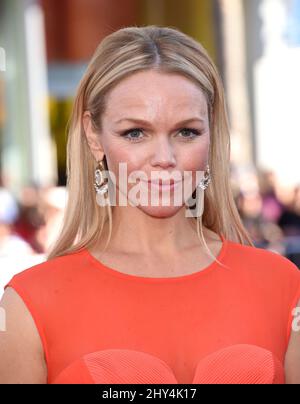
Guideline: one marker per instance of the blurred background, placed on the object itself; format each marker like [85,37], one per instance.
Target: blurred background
[45,46]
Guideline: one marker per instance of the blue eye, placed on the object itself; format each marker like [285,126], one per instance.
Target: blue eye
[129,132]
[193,133]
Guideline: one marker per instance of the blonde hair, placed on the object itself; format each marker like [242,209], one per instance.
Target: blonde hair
[120,54]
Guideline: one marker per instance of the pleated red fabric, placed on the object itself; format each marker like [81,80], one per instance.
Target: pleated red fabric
[238,364]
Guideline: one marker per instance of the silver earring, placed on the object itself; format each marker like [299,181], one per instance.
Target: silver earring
[203,184]
[100,183]
[198,209]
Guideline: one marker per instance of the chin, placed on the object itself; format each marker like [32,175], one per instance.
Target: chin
[160,211]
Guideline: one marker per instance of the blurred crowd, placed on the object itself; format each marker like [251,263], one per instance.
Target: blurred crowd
[30,223]
[270,210]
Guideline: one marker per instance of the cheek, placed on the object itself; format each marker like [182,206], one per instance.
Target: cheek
[193,162]
[132,161]
[194,158]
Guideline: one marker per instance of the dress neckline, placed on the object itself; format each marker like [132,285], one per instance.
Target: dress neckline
[202,272]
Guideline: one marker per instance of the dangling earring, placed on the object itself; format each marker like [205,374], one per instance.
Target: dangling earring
[201,187]
[206,180]
[100,184]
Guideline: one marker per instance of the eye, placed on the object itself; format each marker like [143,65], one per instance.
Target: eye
[133,134]
[194,132]
[129,132]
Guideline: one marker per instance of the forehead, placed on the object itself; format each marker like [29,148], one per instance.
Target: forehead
[151,91]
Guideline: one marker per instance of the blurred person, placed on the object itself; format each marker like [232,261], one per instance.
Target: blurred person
[275,240]
[10,243]
[15,253]
[264,232]
[250,209]
[289,220]
[152,293]
[30,219]
[51,207]
[292,249]
[271,206]
[260,208]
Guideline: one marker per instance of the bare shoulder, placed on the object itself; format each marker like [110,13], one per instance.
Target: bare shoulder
[292,357]
[21,349]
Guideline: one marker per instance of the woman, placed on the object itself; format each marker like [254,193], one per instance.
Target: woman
[151,292]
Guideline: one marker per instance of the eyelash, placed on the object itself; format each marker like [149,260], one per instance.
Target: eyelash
[195,132]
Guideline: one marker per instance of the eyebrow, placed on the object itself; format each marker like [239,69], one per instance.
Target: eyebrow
[142,122]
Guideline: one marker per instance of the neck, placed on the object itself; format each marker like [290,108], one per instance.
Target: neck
[133,231]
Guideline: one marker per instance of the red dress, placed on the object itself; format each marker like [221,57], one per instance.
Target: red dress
[222,324]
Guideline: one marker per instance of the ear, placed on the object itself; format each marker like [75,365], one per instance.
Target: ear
[92,137]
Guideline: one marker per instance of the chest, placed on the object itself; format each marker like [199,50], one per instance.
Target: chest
[179,323]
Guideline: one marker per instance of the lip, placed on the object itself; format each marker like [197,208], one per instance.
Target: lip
[157,181]
[163,185]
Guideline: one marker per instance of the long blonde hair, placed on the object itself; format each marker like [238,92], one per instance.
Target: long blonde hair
[120,54]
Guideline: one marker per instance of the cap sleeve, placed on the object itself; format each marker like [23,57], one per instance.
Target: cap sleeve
[21,284]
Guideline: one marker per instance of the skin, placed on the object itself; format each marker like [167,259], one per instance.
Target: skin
[147,237]
[163,101]
[292,357]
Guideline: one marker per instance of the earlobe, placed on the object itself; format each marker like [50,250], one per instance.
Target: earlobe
[92,137]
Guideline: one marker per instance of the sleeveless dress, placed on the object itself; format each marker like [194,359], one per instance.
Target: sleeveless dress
[228,323]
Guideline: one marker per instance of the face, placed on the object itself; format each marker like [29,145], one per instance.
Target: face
[154,123]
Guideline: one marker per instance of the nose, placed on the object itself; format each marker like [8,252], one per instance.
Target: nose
[163,154]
